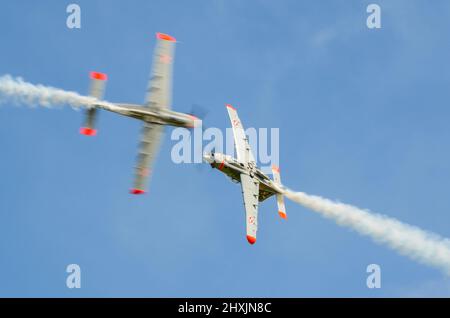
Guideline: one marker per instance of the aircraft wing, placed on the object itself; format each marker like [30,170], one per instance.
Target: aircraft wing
[159,91]
[159,95]
[250,191]
[243,151]
[149,146]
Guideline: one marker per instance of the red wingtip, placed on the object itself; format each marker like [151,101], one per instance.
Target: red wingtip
[88,131]
[137,191]
[251,239]
[99,76]
[229,106]
[282,214]
[275,168]
[165,37]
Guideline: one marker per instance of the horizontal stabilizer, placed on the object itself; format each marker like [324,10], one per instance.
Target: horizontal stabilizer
[98,83]
[280,198]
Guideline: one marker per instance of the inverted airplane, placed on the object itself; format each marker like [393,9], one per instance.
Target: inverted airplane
[155,113]
[256,185]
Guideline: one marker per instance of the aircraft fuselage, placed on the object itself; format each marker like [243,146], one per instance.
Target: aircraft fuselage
[160,116]
[233,168]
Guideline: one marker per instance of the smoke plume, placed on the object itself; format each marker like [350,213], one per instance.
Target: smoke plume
[411,241]
[20,92]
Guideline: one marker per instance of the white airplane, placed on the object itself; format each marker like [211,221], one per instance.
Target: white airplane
[256,185]
[155,113]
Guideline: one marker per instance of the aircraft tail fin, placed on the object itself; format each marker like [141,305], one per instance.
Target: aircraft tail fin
[98,83]
[280,197]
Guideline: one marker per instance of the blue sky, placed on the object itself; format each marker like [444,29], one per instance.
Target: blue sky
[363,117]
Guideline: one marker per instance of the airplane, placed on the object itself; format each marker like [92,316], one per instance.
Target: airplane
[155,113]
[256,186]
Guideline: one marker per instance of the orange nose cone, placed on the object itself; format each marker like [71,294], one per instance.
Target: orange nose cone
[195,121]
[251,239]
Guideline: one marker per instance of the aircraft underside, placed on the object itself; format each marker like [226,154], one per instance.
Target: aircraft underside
[265,190]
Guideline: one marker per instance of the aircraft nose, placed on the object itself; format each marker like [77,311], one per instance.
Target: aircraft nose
[208,158]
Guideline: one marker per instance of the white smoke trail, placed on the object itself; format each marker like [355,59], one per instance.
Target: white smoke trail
[422,246]
[21,92]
